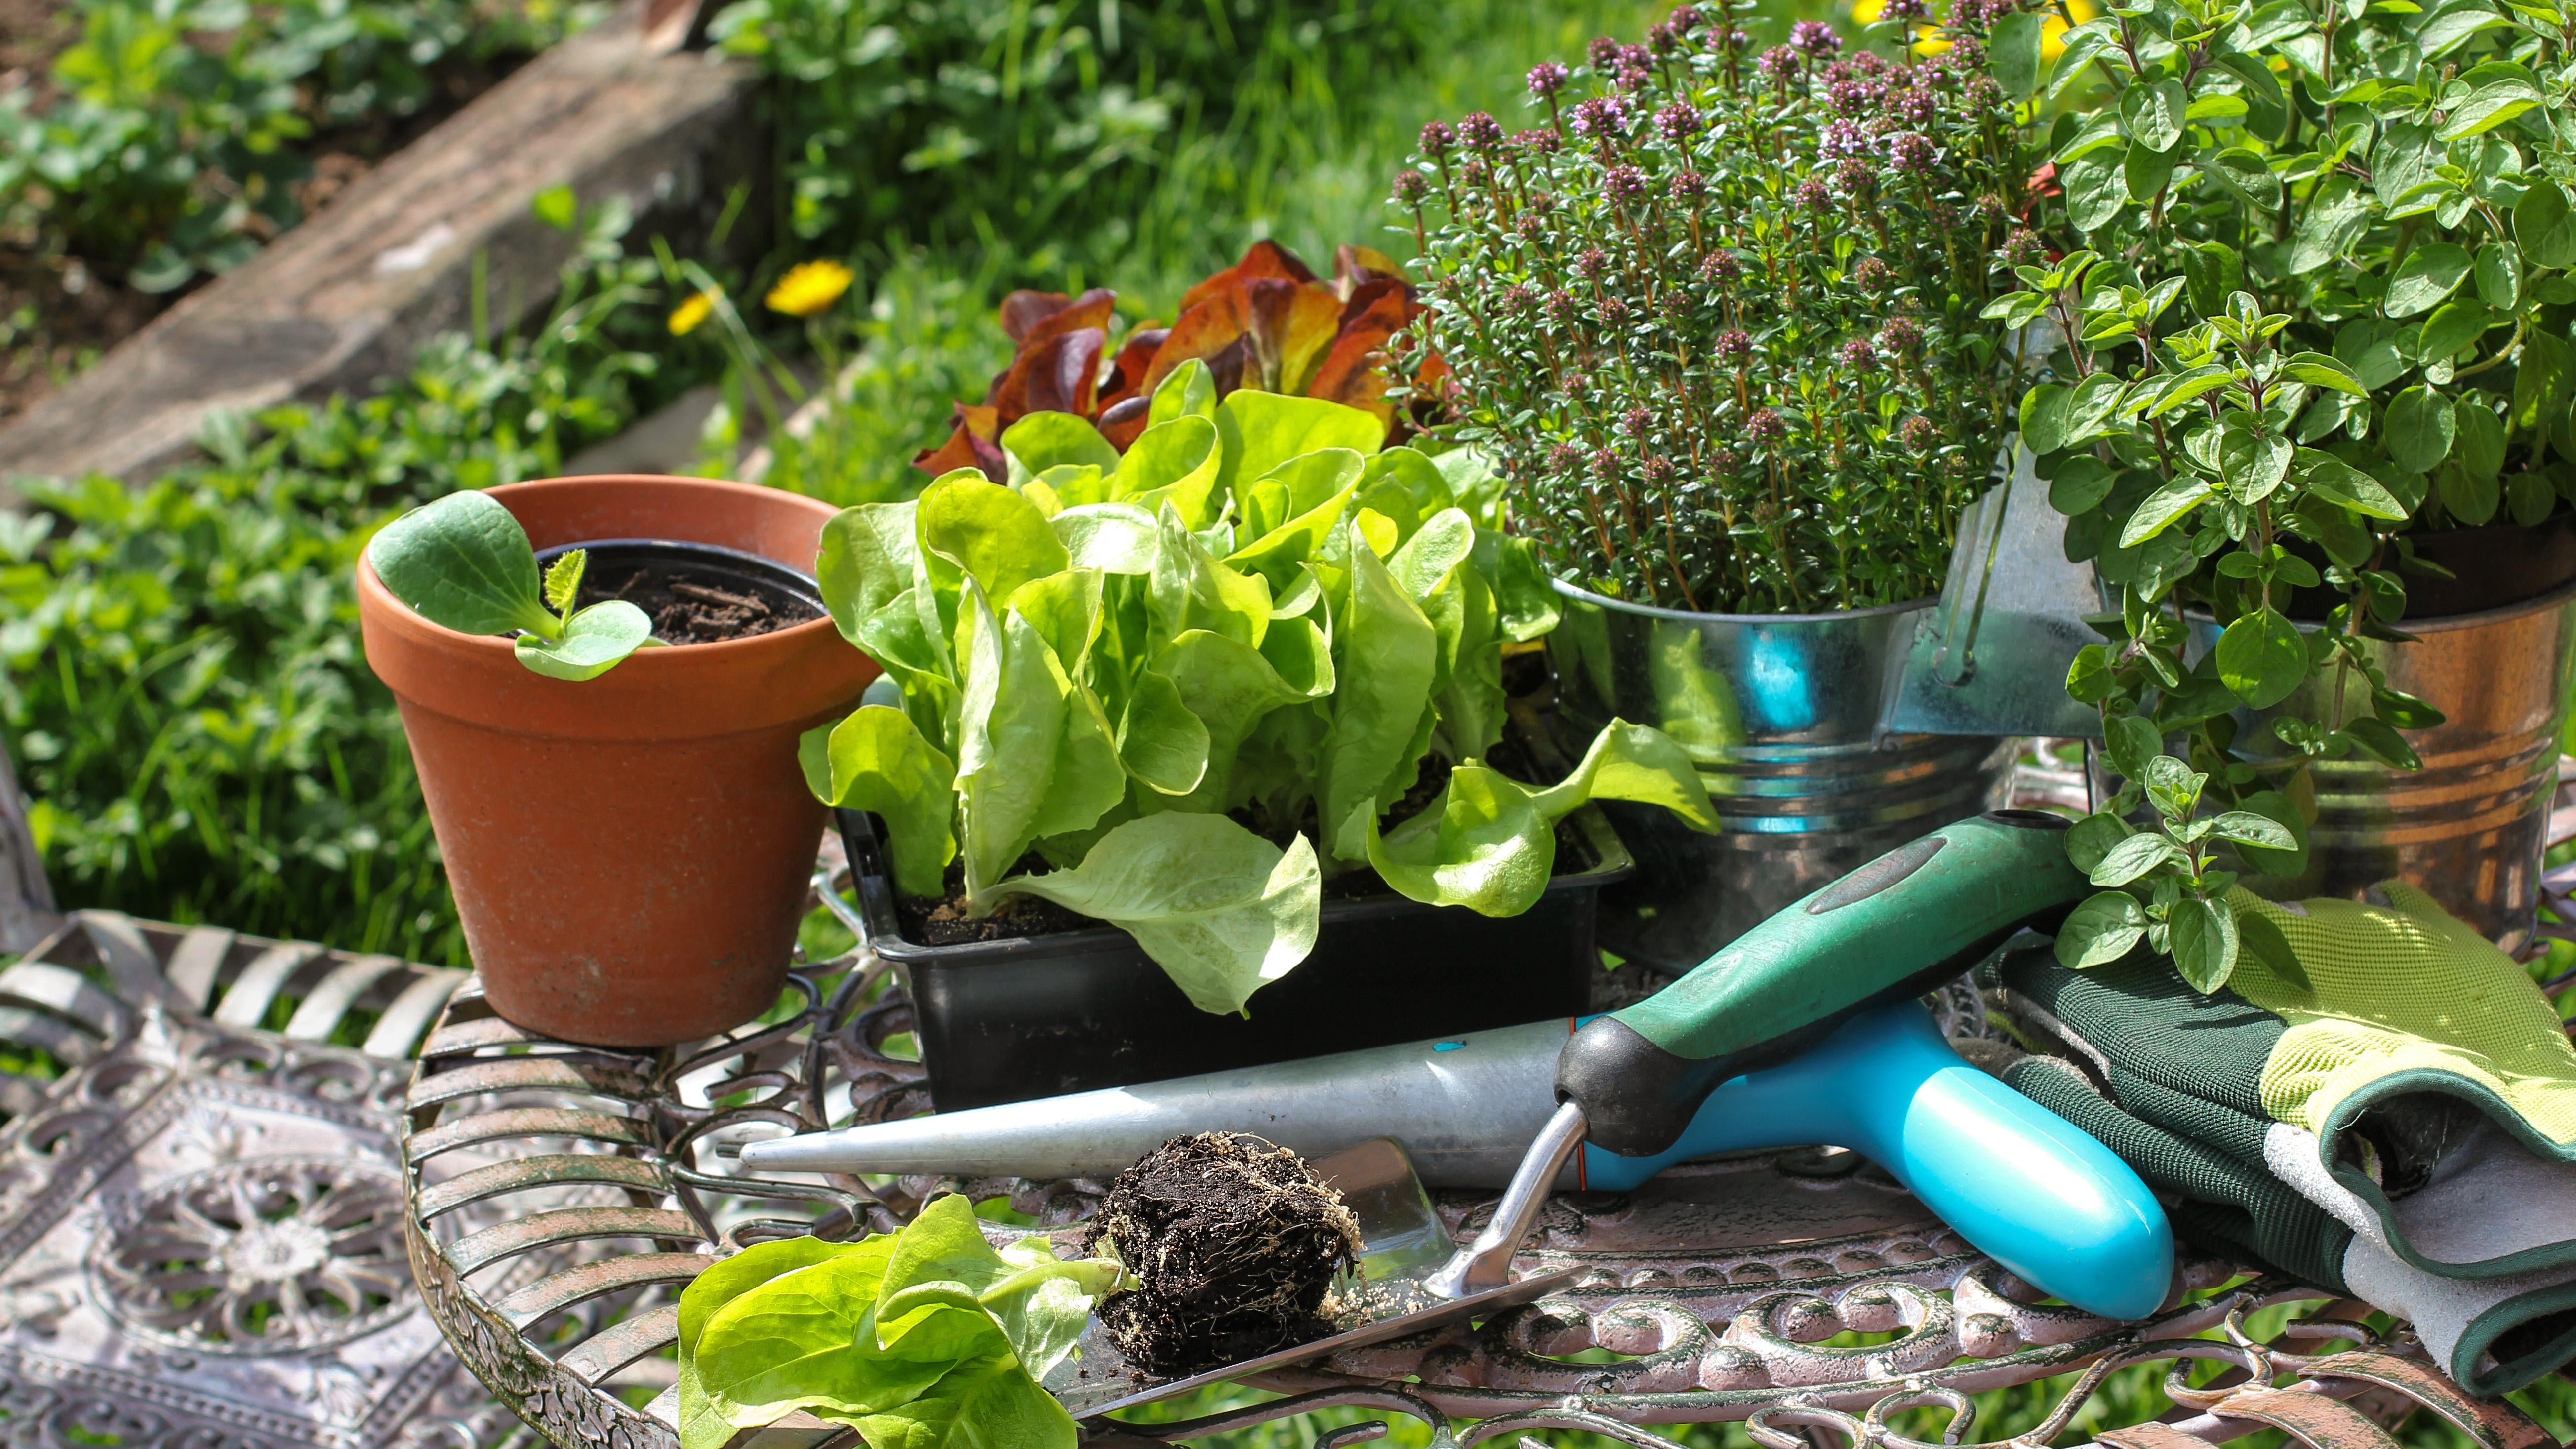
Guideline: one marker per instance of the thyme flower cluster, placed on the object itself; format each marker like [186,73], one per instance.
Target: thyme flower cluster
[1716,316]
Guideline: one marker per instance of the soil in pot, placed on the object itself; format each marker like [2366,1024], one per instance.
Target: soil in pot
[1234,1243]
[2491,566]
[694,593]
[945,922]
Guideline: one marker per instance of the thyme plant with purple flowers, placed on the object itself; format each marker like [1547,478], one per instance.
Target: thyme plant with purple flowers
[1716,316]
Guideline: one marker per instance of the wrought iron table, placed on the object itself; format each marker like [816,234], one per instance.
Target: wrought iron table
[201,1241]
[1711,1293]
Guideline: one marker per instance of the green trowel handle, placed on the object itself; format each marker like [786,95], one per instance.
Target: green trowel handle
[1915,916]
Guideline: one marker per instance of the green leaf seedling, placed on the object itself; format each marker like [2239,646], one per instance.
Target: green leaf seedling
[464,563]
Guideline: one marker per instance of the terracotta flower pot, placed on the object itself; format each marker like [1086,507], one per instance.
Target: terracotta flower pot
[629,853]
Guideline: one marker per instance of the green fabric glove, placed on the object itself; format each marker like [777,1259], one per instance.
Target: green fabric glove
[2388,1110]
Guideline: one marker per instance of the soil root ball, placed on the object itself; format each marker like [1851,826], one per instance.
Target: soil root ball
[1234,1243]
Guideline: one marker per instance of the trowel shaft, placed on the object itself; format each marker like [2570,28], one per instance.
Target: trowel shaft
[1465,1108]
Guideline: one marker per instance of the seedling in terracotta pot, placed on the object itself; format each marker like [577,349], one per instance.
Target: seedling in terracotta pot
[464,563]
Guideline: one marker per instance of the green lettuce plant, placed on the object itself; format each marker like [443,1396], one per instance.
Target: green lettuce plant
[464,563]
[1193,676]
[924,1338]
[2315,298]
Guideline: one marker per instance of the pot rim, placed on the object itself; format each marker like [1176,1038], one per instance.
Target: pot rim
[403,617]
[2439,623]
[1690,617]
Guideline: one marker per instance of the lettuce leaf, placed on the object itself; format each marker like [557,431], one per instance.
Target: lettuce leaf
[1251,607]
[1489,842]
[930,1339]
[1224,911]
[876,759]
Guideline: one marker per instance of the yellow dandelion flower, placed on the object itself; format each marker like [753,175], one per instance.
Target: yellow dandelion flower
[1865,12]
[686,317]
[2052,31]
[1930,41]
[808,288]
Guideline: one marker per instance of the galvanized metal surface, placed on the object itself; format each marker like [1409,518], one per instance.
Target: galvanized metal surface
[1990,656]
[1782,716]
[1712,1289]
[2468,828]
[201,1224]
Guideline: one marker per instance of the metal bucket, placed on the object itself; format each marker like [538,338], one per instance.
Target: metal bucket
[2468,828]
[1781,714]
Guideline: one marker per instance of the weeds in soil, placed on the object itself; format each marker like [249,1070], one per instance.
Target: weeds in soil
[173,137]
[147,143]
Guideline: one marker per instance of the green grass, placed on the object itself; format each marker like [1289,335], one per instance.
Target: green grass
[1304,158]
[197,733]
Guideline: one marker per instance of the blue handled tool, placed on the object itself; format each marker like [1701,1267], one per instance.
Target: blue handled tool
[2008,1175]
[2038,1196]
[1634,1081]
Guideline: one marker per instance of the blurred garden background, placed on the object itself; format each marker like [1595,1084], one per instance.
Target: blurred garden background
[183,693]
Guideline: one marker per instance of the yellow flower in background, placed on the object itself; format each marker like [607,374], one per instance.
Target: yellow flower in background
[809,287]
[686,317]
[2052,31]
[1931,40]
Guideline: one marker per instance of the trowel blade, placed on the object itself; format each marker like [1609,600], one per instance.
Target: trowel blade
[1402,1241]
[1990,658]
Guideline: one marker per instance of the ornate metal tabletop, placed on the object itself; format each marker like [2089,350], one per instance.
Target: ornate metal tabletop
[561,1196]
[201,1210]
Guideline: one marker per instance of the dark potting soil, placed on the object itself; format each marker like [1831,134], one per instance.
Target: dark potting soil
[1525,674]
[944,922]
[2489,567]
[696,606]
[1234,1243]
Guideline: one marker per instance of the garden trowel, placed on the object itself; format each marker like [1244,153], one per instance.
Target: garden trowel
[1402,1241]
[1990,657]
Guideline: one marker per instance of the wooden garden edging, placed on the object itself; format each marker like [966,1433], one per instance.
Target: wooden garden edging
[622,110]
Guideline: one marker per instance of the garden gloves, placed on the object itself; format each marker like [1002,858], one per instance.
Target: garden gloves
[2391,1115]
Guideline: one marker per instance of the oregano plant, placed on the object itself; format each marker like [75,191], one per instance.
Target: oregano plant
[2308,293]
[464,563]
